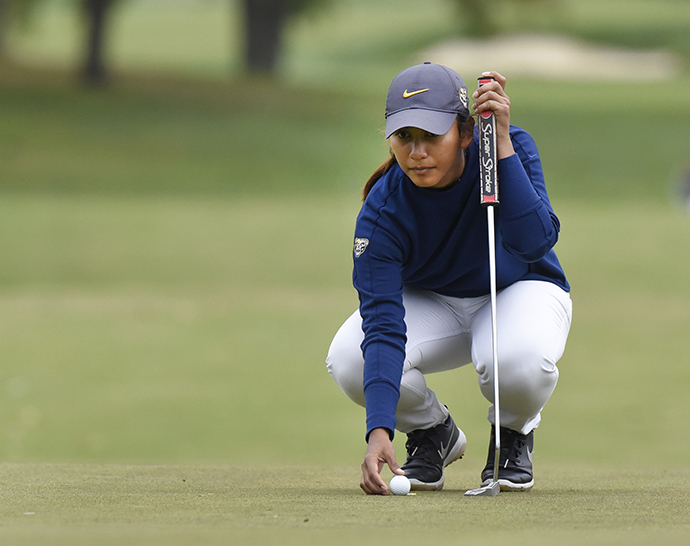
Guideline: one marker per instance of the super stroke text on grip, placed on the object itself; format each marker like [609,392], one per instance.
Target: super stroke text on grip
[487,160]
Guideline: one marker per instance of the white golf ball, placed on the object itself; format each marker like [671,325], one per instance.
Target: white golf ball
[400,485]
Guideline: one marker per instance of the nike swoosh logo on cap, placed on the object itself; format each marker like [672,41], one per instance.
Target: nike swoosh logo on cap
[407,94]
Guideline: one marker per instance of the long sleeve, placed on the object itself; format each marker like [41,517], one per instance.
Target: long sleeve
[529,228]
[377,278]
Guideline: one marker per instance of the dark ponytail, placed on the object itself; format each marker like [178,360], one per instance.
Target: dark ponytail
[465,126]
[378,173]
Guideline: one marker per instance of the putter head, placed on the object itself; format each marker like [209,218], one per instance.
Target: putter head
[490,490]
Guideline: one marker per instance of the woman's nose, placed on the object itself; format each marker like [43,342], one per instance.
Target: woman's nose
[418,150]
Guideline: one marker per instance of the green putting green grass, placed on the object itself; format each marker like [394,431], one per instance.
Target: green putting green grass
[79,504]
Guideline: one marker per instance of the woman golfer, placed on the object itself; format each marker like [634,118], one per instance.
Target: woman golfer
[421,270]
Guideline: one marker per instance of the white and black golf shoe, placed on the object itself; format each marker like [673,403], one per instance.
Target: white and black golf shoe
[515,467]
[429,451]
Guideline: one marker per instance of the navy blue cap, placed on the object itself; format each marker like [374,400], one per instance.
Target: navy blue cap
[426,96]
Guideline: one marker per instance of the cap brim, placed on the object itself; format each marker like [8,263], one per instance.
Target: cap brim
[437,123]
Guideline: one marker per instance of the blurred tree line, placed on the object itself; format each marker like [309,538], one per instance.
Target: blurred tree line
[264,25]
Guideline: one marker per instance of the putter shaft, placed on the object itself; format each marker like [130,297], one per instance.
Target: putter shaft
[494,336]
[493,488]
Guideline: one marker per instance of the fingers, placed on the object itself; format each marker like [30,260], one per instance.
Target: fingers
[395,468]
[496,76]
[380,452]
[372,483]
[492,96]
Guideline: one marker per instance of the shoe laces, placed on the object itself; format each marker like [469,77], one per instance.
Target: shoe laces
[420,445]
[517,447]
[514,445]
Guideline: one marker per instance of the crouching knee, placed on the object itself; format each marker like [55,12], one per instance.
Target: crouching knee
[345,364]
[525,380]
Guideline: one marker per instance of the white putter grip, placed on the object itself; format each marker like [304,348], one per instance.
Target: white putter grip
[489,198]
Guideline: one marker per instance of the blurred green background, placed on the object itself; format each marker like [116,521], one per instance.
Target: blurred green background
[175,245]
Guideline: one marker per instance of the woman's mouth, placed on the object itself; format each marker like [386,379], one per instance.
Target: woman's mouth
[420,170]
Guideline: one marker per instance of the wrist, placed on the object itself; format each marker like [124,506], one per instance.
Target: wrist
[504,148]
[379,434]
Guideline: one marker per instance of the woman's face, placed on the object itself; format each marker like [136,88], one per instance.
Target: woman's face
[431,161]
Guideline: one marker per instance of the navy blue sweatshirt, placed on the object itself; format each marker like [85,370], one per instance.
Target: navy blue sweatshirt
[437,240]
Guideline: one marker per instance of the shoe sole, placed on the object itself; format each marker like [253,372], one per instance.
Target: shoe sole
[453,455]
[508,486]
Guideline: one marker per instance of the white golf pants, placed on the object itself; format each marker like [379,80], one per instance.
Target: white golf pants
[443,333]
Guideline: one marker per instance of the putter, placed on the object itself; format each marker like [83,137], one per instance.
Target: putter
[489,198]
